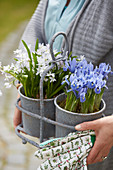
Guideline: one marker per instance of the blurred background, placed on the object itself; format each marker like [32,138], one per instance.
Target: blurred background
[13,13]
[14,16]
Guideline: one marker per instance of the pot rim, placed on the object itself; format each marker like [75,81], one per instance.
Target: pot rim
[28,98]
[82,114]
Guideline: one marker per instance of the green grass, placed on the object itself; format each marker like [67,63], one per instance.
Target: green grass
[13,12]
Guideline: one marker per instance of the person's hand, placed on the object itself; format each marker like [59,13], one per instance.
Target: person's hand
[104,138]
[17,119]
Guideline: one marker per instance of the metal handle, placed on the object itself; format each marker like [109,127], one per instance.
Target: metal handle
[52,41]
[44,74]
[43,118]
[19,129]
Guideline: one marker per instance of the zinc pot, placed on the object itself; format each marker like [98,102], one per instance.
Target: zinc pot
[71,118]
[31,125]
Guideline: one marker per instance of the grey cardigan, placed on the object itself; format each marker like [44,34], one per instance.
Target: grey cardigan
[89,34]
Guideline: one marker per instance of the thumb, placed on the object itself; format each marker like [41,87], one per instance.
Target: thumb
[92,125]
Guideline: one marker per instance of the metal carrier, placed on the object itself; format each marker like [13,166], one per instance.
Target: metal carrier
[41,117]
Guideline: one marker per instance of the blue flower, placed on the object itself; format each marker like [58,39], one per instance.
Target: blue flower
[96,71]
[72,77]
[91,81]
[90,66]
[74,85]
[97,89]
[66,80]
[91,84]
[83,77]
[71,65]
[100,83]
[79,86]
[79,72]
[66,66]
[105,69]
[82,64]
[82,97]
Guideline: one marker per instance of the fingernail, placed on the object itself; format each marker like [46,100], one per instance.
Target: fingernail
[78,127]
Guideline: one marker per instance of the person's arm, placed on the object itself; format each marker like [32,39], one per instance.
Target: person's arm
[17,119]
[104,138]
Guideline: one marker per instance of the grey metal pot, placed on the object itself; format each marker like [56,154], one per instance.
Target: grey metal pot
[31,124]
[71,118]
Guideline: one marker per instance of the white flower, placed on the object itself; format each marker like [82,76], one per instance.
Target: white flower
[17,51]
[6,68]
[12,65]
[81,57]
[51,76]
[7,77]
[0,93]
[52,79]
[7,85]
[21,67]
[45,79]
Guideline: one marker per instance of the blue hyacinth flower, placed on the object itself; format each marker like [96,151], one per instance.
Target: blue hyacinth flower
[71,65]
[66,66]
[66,80]
[97,89]
[105,69]
[84,80]
[90,67]
[74,85]
[82,97]
[99,84]
[82,64]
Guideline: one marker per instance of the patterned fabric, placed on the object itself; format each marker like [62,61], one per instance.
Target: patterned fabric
[68,153]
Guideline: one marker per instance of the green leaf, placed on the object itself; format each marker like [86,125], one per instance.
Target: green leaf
[35,58]
[48,89]
[15,59]
[57,53]
[13,82]
[11,73]
[35,62]
[36,45]
[29,55]
[59,80]
[28,51]
[69,55]
[57,90]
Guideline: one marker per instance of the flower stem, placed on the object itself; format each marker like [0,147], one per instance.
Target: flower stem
[69,100]
[98,98]
[84,108]
[92,102]
[74,104]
